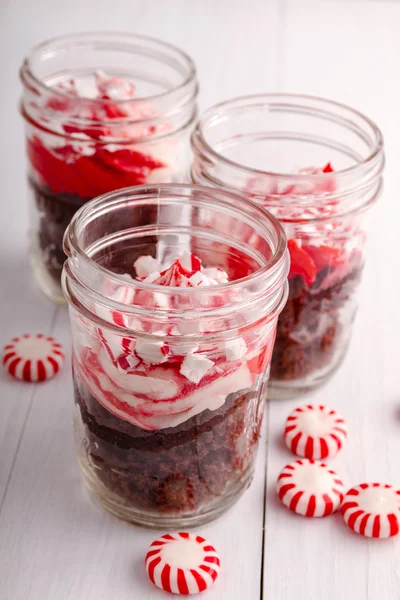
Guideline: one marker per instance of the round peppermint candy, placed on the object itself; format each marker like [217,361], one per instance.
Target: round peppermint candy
[310,488]
[315,432]
[372,510]
[33,357]
[182,563]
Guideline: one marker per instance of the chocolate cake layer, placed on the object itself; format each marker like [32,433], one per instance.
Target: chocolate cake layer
[310,332]
[175,470]
[55,213]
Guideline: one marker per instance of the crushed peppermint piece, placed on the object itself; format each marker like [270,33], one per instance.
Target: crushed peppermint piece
[199,279]
[127,363]
[194,367]
[153,353]
[186,261]
[235,349]
[147,265]
[216,274]
[152,277]
[185,271]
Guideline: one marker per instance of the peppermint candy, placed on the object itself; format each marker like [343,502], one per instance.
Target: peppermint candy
[146,265]
[194,367]
[185,271]
[33,357]
[315,432]
[182,563]
[235,348]
[310,488]
[372,510]
[153,352]
[113,88]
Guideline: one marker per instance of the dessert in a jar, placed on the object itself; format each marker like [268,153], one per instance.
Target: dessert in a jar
[103,111]
[173,323]
[317,166]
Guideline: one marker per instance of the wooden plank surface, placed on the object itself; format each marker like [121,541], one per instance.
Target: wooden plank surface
[54,544]
[348,51]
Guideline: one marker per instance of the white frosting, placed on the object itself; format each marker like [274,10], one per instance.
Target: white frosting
[209,397]
[128,376]
[163,174]
[115,88]
[159,388]
[159,414]
[170,153]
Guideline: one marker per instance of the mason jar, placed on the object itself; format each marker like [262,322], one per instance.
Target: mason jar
[173,323]
[103,111]
[317,166]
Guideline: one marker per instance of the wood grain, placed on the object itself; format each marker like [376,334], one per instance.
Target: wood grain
[346,51]
[54,543]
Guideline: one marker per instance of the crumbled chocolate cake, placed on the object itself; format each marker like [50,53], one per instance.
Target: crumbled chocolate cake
[310,333]
[55,212]
[175,470]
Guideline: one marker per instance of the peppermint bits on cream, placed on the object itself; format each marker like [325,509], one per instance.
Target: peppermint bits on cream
[185,271]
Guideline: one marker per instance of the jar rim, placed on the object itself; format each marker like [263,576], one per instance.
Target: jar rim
[290,99]
[71,243]
[115,39]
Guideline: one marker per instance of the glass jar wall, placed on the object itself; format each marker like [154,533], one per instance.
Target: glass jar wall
[102,111]
[317,166]
[173,324]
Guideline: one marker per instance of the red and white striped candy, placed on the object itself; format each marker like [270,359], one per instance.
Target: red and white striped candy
[182,563]
[372,510]
[315,432]
[310,488]
[33,357]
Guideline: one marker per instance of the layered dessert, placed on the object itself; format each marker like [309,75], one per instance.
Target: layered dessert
[168,423]
[326,265]
[314,326]
[89,139]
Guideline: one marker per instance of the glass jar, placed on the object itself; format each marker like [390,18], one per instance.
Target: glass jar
[103,111]
[317,166]
[170,381]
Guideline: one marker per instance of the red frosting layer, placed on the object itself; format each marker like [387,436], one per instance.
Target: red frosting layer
[66,171]
[307,260]
[85,165]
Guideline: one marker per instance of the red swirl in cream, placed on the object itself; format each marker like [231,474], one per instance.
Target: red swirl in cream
[155,384]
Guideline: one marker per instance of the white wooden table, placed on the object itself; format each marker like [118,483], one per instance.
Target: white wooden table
[54,544]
